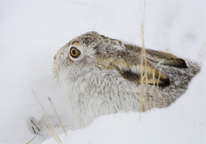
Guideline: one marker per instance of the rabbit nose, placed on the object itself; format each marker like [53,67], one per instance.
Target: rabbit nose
[57,53]
[55,57]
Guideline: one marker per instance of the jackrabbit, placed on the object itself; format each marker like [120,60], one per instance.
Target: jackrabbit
[103,75]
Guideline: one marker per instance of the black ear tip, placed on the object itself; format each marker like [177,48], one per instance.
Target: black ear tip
[183,64]
[165,82]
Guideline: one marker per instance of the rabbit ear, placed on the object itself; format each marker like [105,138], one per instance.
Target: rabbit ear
[165,58]
[158,56]
[133,73]
[128,65]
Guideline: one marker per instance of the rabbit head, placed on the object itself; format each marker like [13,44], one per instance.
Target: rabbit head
[76,57]
[94,52]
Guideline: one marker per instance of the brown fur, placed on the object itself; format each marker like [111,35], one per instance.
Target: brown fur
[113,54]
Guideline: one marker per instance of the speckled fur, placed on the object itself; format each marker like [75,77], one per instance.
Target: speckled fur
[95,90]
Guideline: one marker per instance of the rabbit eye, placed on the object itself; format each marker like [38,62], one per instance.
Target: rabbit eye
[74,52]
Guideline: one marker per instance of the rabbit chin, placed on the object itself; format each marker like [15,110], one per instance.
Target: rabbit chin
[72,72]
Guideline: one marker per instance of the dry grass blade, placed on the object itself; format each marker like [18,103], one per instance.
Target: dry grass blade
[57,115]
[164,101]
[46,121]
[30,140]
[163,97]
[48,127]
[63,124]
[49,132]
[143,60]
[144,53]
[158,80]
[154,88]
[47,116]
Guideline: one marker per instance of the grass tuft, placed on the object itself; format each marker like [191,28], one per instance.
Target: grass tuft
[48,119]
[57,115]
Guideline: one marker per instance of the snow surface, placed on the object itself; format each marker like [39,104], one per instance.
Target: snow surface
[32,31]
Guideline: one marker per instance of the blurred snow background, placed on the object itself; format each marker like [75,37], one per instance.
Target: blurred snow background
[31,32]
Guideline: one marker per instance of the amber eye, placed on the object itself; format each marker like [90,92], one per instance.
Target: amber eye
[74,52]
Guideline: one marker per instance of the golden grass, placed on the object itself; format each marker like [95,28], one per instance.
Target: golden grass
[30,140]
[143,59]
[48,127]
[164,101]
[54,132]
[154,89]
[144,67]
[57,115]
[50,132]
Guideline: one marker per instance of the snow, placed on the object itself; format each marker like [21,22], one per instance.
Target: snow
[31,32]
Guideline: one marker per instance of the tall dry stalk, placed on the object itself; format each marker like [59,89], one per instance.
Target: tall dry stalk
[144,75]
[30,140]
[57,116]
[144,70]
[51,124]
